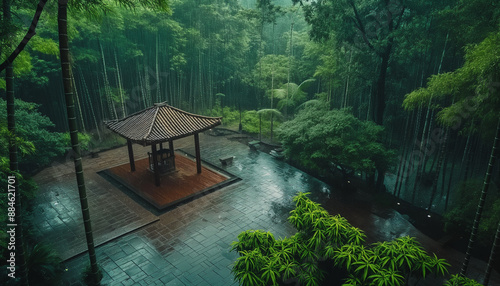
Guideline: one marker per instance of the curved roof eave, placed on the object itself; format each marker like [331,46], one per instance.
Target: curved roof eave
[161,123]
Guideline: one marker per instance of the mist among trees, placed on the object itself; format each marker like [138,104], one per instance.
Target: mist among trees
[403,95]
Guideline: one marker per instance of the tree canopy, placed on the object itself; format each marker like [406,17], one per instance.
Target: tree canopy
[470,93]
[34,131]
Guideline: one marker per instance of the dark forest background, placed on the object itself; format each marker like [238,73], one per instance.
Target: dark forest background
[405,92]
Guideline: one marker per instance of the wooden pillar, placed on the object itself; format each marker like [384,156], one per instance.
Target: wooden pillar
[197,148]
[171,147]
[131,155]
[155,164]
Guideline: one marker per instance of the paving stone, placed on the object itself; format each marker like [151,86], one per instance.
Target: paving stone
[175,282]
[167,278]
[211,277]
[128,282]
[149,268]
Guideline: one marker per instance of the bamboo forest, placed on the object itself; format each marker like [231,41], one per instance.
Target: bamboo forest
[250,142]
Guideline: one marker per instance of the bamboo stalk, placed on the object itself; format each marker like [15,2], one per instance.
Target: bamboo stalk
[482,199]
[120,87]
[70,108]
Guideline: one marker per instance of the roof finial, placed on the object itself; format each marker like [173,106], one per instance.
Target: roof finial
[161,103]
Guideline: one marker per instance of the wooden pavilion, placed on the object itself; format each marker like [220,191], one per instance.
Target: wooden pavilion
[159,124]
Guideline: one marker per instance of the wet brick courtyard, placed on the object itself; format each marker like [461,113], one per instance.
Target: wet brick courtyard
[189,245]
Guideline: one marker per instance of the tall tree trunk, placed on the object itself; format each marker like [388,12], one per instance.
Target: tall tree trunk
[380,179]
[157,69]
[290,55]
[468,164]
[272,88]
[379,98]
[147,86]
[346,90]
[260,127]
[445,166]
[210,79]
[11,125]
[14,168]
[423,146]
[120,86]
[403,162]
[434,160]
[484,192]
[417,176]
[428,140]
[438,171]
[200,82]
[89,99]
[70,109]
[379,104]
[79,109]
[494,249]
[450,179]
[466,151]
[107,87]
[101,102]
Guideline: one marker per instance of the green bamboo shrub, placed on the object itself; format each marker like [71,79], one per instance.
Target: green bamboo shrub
[457,280]
[83,138]
[324,244]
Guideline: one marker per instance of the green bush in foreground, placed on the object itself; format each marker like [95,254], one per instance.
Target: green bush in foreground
[457,280]
[326,244]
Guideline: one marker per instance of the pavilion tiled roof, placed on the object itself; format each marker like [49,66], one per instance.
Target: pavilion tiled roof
[161,123]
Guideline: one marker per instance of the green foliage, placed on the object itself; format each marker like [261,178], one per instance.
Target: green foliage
[45,46]
[33,127]
[271,69]
[267,113]
[95,7]
[27,188]
[457,280]
[84,140]
[230,116]
[469,93]
[23,147]
[326,139]
[254,239]
[321,237]
[291,95]
[463,18]
[460,216]
[251,120]
[45,267]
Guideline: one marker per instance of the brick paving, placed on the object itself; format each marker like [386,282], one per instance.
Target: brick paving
[188,245]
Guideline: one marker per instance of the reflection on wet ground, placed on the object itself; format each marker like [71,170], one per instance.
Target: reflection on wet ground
[189,245]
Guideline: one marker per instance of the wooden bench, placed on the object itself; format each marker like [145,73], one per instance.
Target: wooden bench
[254,144]
[226,160]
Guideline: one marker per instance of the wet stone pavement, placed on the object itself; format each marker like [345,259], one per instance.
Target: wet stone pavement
[187,245]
